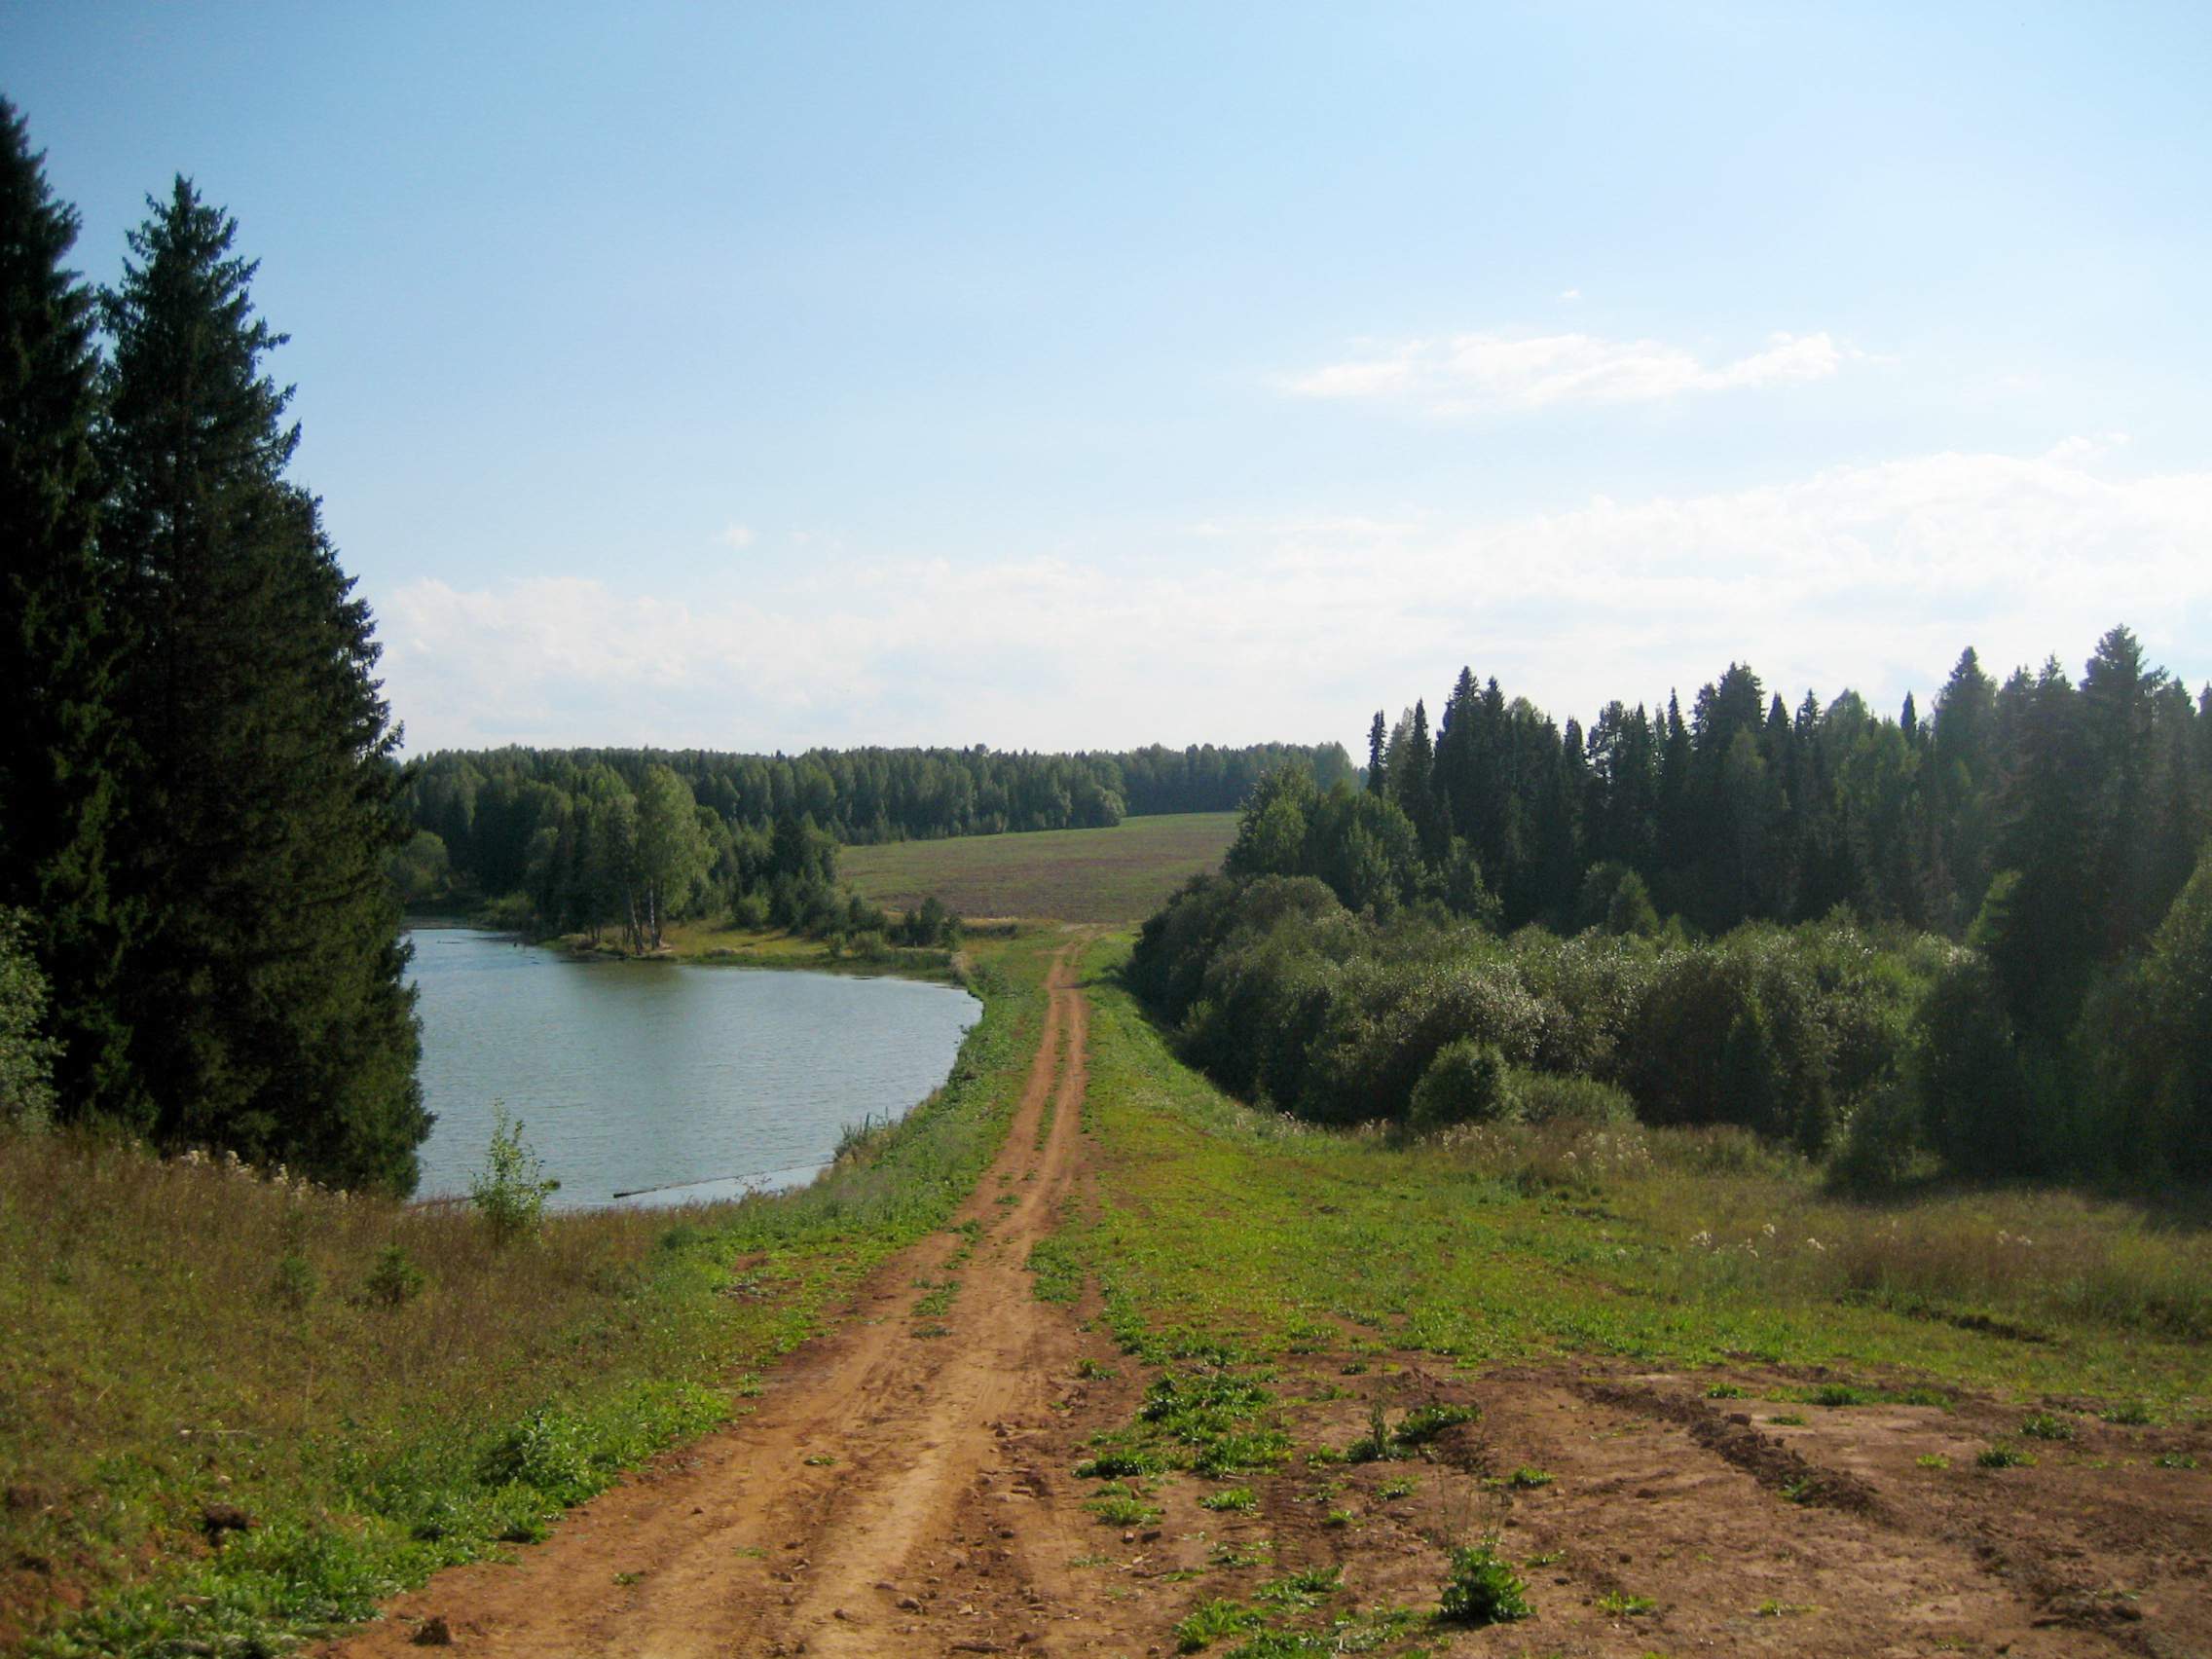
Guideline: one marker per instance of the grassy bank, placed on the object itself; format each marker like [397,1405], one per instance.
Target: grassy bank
[381,1388]
[1072,875]
[1219,1229]
[777,948]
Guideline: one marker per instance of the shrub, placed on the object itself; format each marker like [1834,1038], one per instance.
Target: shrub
[1482,1589]
[1548,1097]
[931,924]
[511,1190]
[395,1281]
[1465,1084]
[294,1282]
[1880,1143]
[509,912]
[26,1058]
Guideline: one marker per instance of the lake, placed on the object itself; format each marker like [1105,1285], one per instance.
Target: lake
[675,1082]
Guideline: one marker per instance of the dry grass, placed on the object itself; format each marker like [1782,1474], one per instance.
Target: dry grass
[2022,1261]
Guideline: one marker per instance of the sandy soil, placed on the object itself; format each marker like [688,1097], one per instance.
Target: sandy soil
[905,1487]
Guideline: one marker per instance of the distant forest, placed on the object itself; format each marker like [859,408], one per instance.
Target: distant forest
[547,829]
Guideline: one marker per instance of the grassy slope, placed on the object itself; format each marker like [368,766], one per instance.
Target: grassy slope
[1072,875]
[1217,1224]
[182,1336]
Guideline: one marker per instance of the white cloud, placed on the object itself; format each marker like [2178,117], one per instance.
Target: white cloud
[1475,373]
[735,536]
[1235,630]
[1570,293]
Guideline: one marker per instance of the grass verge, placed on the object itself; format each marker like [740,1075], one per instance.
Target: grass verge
[1229,1233]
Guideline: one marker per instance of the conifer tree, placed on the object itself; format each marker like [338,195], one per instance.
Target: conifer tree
[1965,747]
[2119,699]
[1413,787]
[58,643]
[2036,924]
[265,991]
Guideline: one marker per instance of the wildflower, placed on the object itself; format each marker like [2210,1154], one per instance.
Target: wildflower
[1768,1230]
[1815,1245]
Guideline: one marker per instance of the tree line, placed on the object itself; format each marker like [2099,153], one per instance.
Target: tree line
[199,783]
[508,821]
[1984,936]
[1745,810]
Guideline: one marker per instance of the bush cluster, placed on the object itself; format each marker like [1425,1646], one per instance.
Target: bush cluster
[1880,1047]
[1283,995]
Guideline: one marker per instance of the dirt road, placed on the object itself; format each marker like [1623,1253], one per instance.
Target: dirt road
[880,1500]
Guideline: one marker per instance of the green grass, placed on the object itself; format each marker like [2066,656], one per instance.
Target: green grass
[181,1334]
[1070,876]
[776,947]
[1236,1235]
[1212,1622]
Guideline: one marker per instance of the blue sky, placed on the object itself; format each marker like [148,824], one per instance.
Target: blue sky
[757,377]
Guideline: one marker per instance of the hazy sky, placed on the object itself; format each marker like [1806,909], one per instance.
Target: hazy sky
[765,376]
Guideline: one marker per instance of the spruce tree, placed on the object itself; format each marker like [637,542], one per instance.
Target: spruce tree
[2119,704]
[58,643]
[2037,922]
[265,991]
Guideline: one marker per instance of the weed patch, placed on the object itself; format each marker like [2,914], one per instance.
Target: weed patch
[1212,1622]
[1057,1271]
[1482,1588]
[1122,1509]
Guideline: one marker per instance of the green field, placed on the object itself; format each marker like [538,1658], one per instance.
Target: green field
[1119,874]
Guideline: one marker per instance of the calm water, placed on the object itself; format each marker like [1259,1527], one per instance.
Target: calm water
[630,1075]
